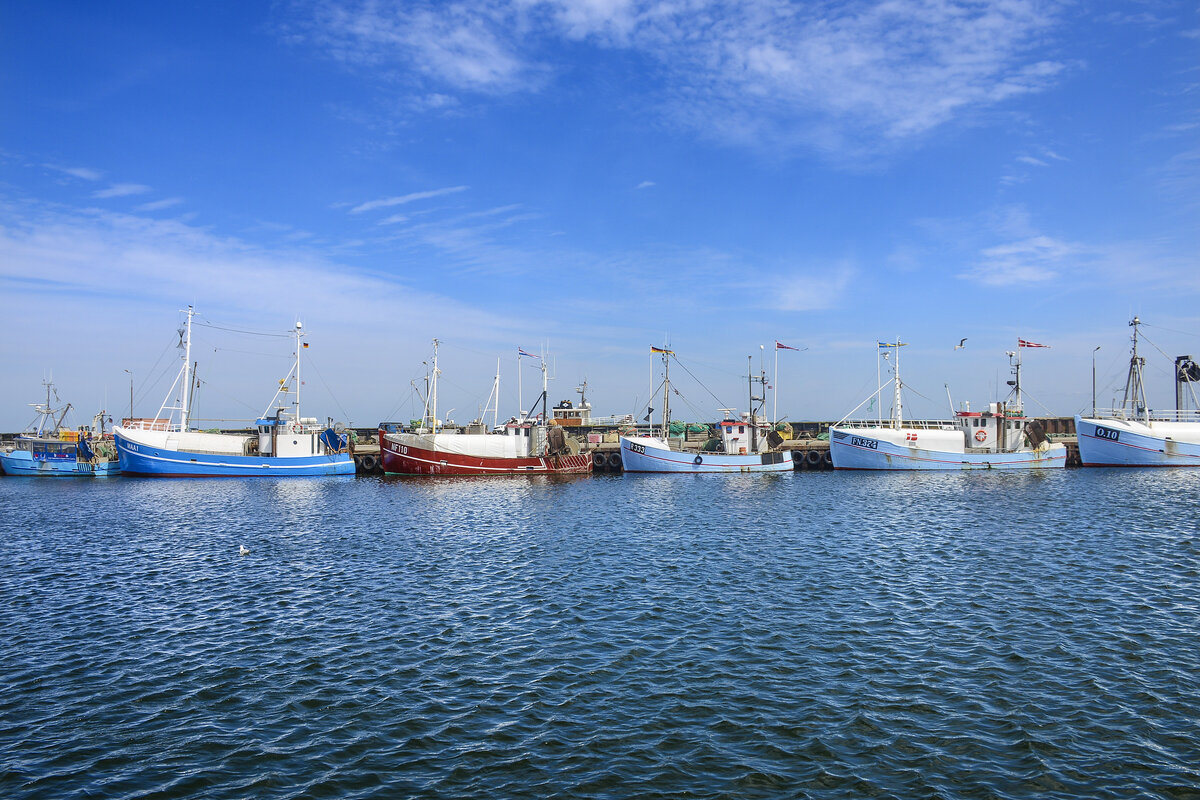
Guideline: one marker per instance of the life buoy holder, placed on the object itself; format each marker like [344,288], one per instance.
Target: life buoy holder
[980,435]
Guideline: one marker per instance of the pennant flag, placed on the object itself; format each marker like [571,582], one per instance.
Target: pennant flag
[1023,343]
[654,349]
[780,346]
[521,352]
[895,344]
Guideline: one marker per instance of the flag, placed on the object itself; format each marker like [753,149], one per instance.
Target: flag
[895,344]
[305,345]
[654,349]
[1023,343]
[521,352]
[781,346]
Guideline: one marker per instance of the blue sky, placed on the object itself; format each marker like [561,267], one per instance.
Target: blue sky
[591,177]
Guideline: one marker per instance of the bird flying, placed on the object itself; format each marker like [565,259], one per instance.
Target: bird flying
[961,345]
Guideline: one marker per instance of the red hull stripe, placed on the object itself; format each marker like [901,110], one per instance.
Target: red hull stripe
[419,461]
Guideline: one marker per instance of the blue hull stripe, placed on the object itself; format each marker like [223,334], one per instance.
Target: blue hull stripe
[159,462]
[17,465]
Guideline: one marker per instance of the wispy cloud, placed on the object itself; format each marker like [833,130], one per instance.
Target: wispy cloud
[83,173]
[1034,260]
[830,76]
[814,289]
[159,205]
[388,202]
[121,190]
[645,184]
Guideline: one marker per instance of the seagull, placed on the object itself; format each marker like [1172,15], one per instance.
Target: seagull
[243,551]
[961,345]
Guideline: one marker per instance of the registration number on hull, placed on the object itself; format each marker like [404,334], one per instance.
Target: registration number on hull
[858,441]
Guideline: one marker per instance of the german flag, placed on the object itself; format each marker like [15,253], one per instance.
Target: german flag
[654,349]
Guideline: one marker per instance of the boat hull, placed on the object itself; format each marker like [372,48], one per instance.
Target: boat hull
[1124,443]
[404,458]
[139,458]
[21,464]
[859,449]
[644,454]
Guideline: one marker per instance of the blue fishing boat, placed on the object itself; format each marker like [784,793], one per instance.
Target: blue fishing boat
[745,445]
[1135,435]
[48,450]
[283,444]
[1001,438]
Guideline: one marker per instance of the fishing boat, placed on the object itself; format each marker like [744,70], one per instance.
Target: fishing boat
[742,445]
[49,450]
[525,445]
[1001,438]
[1134,435]
[284,443]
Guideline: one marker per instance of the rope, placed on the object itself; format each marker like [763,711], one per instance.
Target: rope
[238,330]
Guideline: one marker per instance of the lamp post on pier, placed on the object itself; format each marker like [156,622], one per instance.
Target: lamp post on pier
[1094,380]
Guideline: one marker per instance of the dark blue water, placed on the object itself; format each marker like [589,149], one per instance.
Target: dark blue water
[816,635]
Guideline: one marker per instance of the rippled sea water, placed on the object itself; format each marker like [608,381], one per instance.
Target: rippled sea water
[816,635]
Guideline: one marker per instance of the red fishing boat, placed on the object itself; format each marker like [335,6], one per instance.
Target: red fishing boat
[524,447]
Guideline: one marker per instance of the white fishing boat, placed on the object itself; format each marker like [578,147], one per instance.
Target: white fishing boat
[743,445]
[285,444]
[1135,435]
[1001,438]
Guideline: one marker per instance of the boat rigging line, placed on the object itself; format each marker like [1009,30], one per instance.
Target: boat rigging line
[239,330]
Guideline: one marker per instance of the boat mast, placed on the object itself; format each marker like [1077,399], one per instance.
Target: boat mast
[432,400]
[898,413]
[1019,405]
[1135,390]
[299,383]
[545,394]
[666,414]
[187,373]
[496,389]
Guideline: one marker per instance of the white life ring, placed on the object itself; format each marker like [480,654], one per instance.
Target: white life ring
[980,435]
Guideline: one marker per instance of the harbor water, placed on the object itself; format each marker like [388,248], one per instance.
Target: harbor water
[810,635]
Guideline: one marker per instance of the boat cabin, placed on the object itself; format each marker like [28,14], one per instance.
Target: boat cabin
[737,438]
[283,436]
[570,415]
[998,428]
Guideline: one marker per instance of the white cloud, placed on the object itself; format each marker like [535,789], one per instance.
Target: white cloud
[121,190]
[645,184]
[388,202]
[830,76]
[84,173]
[159,205]
[814,290]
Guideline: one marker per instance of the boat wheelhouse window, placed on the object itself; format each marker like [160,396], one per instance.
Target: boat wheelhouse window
[741,428]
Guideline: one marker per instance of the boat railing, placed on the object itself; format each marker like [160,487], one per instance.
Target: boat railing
[160,424]
[919,424]
[1155,415]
